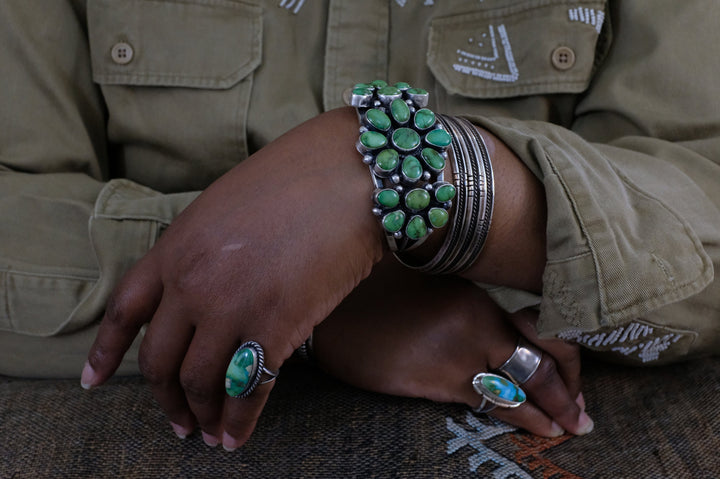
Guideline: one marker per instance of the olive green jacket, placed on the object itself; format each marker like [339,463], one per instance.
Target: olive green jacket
[114,114]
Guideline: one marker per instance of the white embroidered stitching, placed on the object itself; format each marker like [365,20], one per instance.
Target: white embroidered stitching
[482,432]
[588,16]
[478,65]
[289,4]
[645,351]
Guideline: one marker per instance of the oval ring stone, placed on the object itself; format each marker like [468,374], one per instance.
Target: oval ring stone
[379,83]
[372,140]
[401,85]
[393,221]
[445,193]
[439,138]
[389,91]
[411,168]
[417,91]
[433,159]
[416,228]
[378,119]
[387,160]
[400,111]
[388,198]
[241,371]
[438,217]
[498,390]
[417,199]
[405,139]
[424,119]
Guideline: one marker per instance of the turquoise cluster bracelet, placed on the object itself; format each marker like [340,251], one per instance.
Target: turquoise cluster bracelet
[405,148]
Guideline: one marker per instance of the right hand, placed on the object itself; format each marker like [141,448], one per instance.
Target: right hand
[413,335]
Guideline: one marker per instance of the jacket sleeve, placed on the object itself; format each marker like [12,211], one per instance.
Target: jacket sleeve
[633,193]
[66,233]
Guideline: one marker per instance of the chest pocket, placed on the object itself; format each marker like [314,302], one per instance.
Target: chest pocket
[177,77]
[528,48]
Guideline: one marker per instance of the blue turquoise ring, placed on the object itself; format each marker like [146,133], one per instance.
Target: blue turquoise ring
[246,369]
[498,390]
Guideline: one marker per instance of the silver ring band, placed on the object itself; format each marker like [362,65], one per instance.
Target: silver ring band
[523,362]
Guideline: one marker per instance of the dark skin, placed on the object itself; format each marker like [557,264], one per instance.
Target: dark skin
[269,250]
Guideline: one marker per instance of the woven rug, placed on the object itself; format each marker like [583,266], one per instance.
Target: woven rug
[650,423]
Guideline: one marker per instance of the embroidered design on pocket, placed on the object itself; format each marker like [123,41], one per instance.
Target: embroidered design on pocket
[294,5]
[587,15]
[497,64]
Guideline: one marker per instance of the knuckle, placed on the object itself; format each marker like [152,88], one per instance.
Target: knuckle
[196,388]
[546,373]
[152,371]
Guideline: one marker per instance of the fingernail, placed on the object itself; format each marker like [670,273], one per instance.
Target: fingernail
[180,431]
[229,442]
[580,401]
[556,430]
[585,424]
[210,440]
[88,378]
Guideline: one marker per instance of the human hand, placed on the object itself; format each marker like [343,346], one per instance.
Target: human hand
[412,335]
[264,254]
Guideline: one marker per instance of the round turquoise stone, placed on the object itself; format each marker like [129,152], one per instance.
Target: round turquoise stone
[416,228]
[400,111]
[394,221]
[445,193]
[387,160]
[378,119]
[388,198]
[372,140]
[240,371]
[439,138]
[361,91]
[406,139]
[379,83]
[417,199]
[424,119]
[433,159]
[401,85]
[411,168]
[417,91]
[438,217]
[503,388]
[389,91]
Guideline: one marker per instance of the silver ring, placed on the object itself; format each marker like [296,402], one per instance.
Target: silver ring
[498,391]
[245,371]
[484,407]
[523,362]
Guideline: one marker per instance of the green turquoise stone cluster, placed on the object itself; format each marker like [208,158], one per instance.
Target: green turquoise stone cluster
[406,149]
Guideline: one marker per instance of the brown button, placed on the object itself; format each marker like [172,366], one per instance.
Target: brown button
[563,58]
[122,53]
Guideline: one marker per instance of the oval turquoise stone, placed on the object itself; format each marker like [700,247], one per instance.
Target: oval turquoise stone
[389,91]
[438,217]
[401,85]
[387,160]
[378,119]
[363,85]
[388,198]
[379,83]
[503,388]
[400,111]
[240,371]
[406,139]
[372,140]
[411,168]
[361,91]
[433,159]
[394,221]
[417,91]
[439,138]
[417,199]
[416,228]
[424,119]
[445,193]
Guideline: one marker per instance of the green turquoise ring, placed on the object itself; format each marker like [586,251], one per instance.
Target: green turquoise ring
[245,370]
[498,390]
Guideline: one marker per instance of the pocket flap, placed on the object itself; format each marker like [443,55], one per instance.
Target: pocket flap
[186,43]
[524,49]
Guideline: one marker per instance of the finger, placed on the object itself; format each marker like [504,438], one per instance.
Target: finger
[547,390]
[161,356]
[131,305]
[567,355]
[202,377]
[531,418]
[241,415]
